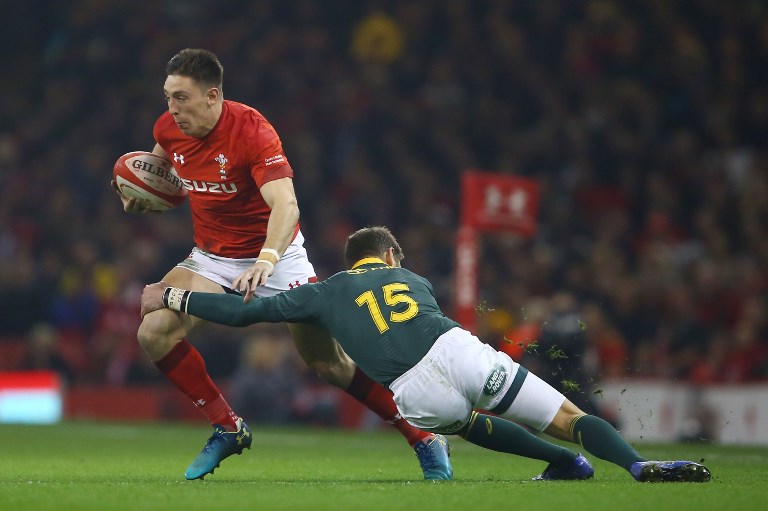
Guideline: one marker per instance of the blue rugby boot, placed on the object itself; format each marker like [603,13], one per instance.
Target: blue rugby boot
[434,457]
[221,445]
[669,472]
[579,469]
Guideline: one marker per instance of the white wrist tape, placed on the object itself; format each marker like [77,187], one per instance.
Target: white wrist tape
[267,262]
[176,299]
[271,251]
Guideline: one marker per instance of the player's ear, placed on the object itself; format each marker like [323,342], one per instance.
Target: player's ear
[213,95]
[390,258]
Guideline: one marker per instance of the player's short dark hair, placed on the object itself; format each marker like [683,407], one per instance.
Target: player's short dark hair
[202,66]
[370,242]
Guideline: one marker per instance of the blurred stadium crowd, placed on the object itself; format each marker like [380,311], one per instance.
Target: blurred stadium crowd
[644,123]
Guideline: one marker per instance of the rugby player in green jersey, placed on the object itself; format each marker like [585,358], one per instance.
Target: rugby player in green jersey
[388,321]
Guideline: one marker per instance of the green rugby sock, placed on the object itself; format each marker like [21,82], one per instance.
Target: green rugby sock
[502,435]
[601,439]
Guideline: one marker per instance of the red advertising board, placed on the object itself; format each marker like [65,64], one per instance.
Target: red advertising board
[496,202]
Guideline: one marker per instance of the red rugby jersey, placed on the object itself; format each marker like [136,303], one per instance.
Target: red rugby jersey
[223,172]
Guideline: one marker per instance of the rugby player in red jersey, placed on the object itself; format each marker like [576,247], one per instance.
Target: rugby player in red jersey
[246,230]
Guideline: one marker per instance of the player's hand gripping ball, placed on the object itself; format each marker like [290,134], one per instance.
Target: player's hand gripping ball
[149,178]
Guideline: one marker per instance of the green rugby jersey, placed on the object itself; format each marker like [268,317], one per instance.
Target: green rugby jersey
[385,318]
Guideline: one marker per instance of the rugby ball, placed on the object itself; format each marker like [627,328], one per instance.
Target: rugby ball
[148,177]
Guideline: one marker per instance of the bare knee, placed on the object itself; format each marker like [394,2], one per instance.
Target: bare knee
[159,332]
[560,427]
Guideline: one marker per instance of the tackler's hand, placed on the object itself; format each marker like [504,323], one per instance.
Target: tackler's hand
[152,297]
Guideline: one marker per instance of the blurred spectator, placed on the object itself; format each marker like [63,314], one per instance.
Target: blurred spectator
[515,342]
[605,343]
[377,39]
[272,385]
[43,353]
[265,383]
[563,351]
[746,358]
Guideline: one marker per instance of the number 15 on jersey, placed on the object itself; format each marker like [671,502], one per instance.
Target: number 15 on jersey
[392,296]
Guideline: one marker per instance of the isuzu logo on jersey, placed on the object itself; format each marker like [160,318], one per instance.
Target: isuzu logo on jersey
[206,186]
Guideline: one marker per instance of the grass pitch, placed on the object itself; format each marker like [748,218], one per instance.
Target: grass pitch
[90,466]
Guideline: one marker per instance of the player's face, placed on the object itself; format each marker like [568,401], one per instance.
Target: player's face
[190,105]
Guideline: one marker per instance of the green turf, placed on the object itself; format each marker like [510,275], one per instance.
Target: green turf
[87,466]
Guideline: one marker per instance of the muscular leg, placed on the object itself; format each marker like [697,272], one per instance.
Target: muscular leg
[499,434]
[533,401]
[326,357]
[596,435]
[162,335]
[560,426]
[602,440]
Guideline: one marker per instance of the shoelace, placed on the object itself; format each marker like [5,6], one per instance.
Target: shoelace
[426,455]
[209,444]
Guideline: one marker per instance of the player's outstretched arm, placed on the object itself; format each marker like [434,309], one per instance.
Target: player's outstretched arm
[227,309]
[219,308]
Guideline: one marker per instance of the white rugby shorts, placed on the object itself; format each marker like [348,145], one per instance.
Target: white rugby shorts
[292,270]
[460,373]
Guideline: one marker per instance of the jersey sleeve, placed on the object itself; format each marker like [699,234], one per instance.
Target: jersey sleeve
[268,161]
[298,305]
